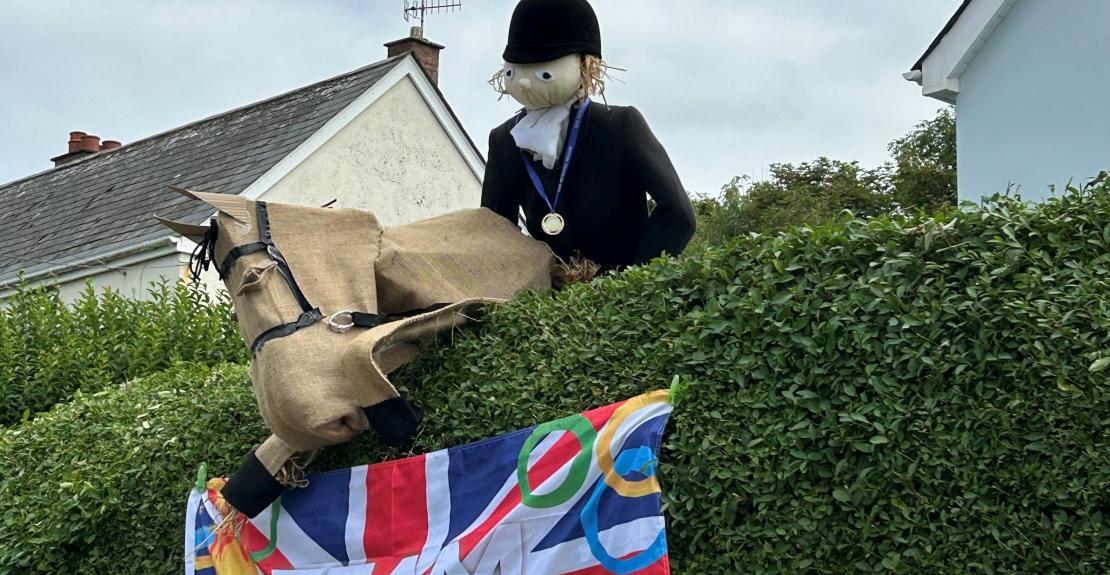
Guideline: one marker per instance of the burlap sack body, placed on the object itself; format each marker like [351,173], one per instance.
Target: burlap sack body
[315,386]
[459,256]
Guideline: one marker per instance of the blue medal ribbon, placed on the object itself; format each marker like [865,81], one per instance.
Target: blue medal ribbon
[572,140]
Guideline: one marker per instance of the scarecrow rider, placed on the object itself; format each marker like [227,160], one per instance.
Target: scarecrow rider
[578,169]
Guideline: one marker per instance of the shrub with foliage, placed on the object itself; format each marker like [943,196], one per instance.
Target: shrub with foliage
[97,485]
[902,396]
[49,349]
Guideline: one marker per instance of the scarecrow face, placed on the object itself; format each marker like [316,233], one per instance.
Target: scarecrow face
[545,84]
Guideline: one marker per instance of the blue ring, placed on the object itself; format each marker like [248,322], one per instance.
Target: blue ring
[641,459]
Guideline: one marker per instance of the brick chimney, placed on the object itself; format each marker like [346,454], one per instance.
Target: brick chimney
[426,51]
[82,145]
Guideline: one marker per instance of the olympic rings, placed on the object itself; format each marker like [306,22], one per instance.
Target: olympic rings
[614,478]
[641,459]
[584,432]
[589,442]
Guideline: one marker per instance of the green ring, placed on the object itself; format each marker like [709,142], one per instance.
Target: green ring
[585,433]
[275,514]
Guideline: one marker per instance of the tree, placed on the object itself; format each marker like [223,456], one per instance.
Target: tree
[925,164]
[807,193]
[922,175]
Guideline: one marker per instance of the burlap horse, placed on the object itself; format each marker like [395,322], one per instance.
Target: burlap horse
[329,302]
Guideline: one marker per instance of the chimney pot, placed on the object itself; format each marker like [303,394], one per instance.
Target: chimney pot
[75,141]
[90,143]
[82,145]
[426,51]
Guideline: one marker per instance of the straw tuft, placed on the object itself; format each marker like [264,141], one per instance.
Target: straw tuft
[573,271]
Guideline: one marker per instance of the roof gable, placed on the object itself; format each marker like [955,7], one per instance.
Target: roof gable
[431,96]
[105,202]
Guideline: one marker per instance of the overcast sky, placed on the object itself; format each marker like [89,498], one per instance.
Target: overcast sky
[728,86]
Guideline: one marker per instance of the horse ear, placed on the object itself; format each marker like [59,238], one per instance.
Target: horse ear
[233,206]
[192,231]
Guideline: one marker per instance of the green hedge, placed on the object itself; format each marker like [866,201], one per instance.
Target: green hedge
[49,349]
[97,485]
[892,396]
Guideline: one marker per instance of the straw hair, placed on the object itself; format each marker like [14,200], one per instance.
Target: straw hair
[594,73]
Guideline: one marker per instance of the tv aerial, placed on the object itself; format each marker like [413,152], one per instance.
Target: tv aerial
[416,10]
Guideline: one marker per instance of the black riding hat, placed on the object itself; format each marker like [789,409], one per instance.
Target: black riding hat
[543,30]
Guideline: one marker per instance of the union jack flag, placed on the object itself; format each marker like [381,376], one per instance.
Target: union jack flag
[575,496]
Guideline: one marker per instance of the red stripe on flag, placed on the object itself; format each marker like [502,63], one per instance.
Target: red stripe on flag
[562,452]
[410,507]
[600,416]
[375,535]
[396,512]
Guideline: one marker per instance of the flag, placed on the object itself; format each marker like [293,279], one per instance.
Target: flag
[575,496]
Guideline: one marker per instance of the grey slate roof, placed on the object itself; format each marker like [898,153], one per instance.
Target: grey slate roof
[107,201]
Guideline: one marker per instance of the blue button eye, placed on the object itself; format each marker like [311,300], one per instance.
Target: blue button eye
[547,75]
[509,73]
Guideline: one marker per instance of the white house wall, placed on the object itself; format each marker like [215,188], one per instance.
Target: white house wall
[394,159]
[132,279]
[1032,107]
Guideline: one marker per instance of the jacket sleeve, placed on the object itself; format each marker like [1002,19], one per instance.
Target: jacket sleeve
[671,224]
[497,193]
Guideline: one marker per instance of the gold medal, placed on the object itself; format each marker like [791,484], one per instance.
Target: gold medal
[552,224]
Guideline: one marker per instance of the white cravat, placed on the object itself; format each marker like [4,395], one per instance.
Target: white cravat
[542,132]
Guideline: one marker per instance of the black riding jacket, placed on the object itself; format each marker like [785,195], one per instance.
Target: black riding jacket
[617,164]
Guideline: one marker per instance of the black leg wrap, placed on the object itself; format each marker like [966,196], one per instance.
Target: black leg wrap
[395,420]
[251,489]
